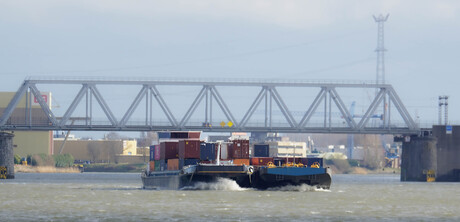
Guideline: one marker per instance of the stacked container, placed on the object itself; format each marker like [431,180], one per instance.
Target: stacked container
[173,164]
[164,135]
[224,151]
[169,150]
[241,161]
[152,153]
[176,149]
[179,135]
[157,152]
[189,149]
[194,135]
[240,149]
[151,166]
[208,151]
[261,150]
[261,161]
[160,165]
[152,159]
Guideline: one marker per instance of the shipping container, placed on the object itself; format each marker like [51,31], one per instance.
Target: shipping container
[194,135]
[164,135]
[179,135]
[261,150]
[187,162]
[151,166]
[157,152]
[189,149]
[152,153]
[169,150]
[160,165]
[208,151]
[240,149]
[173,164]
[157,165]
[261,161]
[225,151]
[241,161]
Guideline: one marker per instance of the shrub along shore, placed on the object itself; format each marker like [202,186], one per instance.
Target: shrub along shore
[43,163]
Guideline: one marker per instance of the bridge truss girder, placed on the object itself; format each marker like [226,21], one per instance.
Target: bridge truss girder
[209,93]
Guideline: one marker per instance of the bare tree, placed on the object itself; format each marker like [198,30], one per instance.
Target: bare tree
[93,151]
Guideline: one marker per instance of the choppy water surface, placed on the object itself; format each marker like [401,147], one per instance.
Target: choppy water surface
[119,197]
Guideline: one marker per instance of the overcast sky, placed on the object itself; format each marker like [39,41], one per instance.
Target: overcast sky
[327,39]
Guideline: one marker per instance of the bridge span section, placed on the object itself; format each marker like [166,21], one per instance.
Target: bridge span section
[135,104]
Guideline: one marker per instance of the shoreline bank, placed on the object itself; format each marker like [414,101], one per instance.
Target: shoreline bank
[44,169]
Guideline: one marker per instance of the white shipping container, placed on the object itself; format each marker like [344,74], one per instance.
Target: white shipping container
[224,151]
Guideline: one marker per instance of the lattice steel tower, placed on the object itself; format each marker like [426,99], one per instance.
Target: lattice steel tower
[380,71]
[380,50]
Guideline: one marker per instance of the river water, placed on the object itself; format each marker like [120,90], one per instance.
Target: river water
[119,197]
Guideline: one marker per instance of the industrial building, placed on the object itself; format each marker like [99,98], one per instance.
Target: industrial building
[102,151]
[29,142]
[288,149]
[36,142]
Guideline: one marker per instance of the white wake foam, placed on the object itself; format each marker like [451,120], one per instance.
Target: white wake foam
[220,184]
[298,188]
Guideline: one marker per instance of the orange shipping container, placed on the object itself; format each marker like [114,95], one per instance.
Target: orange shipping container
[241,161]
[173,164]
[152,166]
[261,161]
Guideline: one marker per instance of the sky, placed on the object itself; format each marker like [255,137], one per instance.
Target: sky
[270,39]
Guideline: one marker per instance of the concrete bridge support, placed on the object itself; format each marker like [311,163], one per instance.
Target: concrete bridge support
[6,154]
[437,150]
[418,157]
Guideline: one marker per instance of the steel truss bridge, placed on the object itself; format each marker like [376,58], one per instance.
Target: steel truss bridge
[268,98]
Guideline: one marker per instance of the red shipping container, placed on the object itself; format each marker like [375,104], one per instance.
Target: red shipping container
[157,152]
[189,149]
[169,150]
[194,135]
[229,151]
[261,161]
[240,149]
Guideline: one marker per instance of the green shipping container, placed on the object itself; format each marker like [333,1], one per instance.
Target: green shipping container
[157,165]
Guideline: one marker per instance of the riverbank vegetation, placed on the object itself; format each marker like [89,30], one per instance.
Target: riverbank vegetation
[343,166]
[43,163]
[110,167]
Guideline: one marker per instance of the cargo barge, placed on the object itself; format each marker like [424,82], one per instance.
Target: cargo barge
[245,176]
[176,164]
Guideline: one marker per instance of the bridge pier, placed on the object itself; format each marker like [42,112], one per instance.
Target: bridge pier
[6,155]
[437,150]
[418,157]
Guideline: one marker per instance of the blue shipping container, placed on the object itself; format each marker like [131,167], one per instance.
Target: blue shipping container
[261,150]
[164,135]
[152,153]
[208,151]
